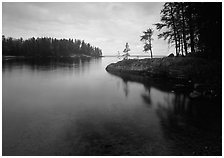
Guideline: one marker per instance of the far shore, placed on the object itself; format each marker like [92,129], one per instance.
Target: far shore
[33,57]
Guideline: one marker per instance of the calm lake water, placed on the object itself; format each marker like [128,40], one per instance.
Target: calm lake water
[75,107]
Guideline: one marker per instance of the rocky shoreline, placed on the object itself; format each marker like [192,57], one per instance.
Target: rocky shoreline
[198,76]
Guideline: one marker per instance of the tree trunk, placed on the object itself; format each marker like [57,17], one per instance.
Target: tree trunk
[182,46]
[174,30]
[179,42]
[183,27]
[191,30]
[151,52]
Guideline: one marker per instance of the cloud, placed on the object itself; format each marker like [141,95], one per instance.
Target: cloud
[107,25]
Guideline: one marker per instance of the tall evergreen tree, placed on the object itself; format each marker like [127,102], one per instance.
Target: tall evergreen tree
[147,39]
[193,26]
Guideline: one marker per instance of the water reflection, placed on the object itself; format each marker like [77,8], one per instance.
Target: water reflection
[191,125]
[77,108]
[146,96]
[175,103]
[79,65]
[125,87]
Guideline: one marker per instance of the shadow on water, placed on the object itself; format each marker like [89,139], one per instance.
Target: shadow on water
[193,125]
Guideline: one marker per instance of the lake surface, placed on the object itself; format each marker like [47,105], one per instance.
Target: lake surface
[75,107]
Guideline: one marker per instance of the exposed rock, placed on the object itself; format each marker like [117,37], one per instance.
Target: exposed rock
[195,94]
[171,55]
[181,68]
[200,76]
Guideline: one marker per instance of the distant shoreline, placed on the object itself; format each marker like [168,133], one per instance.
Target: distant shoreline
[155,56]
[4,57]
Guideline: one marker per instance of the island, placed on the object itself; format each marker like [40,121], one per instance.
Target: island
[47,47]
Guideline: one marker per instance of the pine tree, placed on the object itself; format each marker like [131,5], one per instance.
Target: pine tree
[147,39]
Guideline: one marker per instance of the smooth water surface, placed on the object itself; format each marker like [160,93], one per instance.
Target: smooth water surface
[75,107]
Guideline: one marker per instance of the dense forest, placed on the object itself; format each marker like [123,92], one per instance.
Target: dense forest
[47,47]
[193,28]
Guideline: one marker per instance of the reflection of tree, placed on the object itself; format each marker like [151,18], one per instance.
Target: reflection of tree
[126,87]
[146,97]
[200,113]
[175,111]
[189,125]
[79,65]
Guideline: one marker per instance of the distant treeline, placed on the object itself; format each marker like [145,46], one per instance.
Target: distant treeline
[193,27]
[47,47]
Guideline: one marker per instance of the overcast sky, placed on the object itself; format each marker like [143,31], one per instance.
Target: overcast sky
[105,25]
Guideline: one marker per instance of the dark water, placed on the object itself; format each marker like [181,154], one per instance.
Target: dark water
[75,107]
